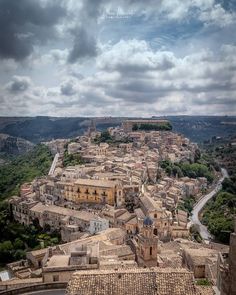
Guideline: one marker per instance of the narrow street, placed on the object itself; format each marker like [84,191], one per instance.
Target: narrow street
[53,166]
[201,203]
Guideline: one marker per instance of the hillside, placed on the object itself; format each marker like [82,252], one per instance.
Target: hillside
[38,129]
[219,212]
[24,168]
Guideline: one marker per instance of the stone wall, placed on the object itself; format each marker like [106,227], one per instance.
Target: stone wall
[34,288]
[232,264]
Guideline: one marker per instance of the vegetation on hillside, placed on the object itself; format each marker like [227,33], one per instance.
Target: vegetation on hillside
[16,239]
[187,204]
[106,137]
[194,231]
[219,214]
[186,169]
[24,169]
[157,127]
[220,211]
[222,152]
[72,159]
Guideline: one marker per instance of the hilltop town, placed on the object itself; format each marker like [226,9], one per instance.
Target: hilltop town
[120,214]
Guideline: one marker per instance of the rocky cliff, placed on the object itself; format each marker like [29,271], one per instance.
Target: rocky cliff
[10,145]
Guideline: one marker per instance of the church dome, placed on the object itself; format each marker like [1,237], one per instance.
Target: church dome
[147,221]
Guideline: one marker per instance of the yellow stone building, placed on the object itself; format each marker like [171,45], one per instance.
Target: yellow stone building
[93,191]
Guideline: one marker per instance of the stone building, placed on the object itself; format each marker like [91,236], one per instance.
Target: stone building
[226,268]
[60,267]
[104,250]
[98,224]
[92,191]
[196,259]
[147,244]
[161,217]
[69,222]
[20,209]
[131,227]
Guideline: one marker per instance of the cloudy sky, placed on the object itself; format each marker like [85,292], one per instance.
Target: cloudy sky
[118,58]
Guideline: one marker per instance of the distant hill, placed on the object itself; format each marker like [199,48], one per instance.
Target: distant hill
[37,129]
[203,128]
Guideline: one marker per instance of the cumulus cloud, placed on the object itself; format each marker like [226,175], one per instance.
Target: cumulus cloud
[18,84]
[85,31]
[112,66]
[217,15]
[200,72]
[26,23]
[135,56]
[85,45]
[68,88]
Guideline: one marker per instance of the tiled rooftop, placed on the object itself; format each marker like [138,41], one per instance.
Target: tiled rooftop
[83,215]
[95,182]
[136,281]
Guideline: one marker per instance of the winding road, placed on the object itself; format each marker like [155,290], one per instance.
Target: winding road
[194,219]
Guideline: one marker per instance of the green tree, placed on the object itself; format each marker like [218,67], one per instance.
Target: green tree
[24,169]
[18,244]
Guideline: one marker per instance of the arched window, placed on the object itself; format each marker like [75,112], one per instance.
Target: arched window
[155,215]
[151,251]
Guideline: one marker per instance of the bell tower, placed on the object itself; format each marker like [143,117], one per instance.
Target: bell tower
[147,244]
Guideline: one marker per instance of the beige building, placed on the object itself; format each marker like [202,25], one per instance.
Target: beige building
[71,223]
[60,267]
[160,216]
[196,260]
[93,191]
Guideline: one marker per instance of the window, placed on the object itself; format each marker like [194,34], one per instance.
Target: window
[55,278]
[155,215]
[151,251]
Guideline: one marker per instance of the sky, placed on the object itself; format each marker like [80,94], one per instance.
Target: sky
[117,58]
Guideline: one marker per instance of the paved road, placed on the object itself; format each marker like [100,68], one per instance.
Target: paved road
[201,203]
[53,166]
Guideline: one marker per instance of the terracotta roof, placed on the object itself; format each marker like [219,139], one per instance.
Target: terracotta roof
[205,290]
[136,281]
[83,215]
[95,182]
